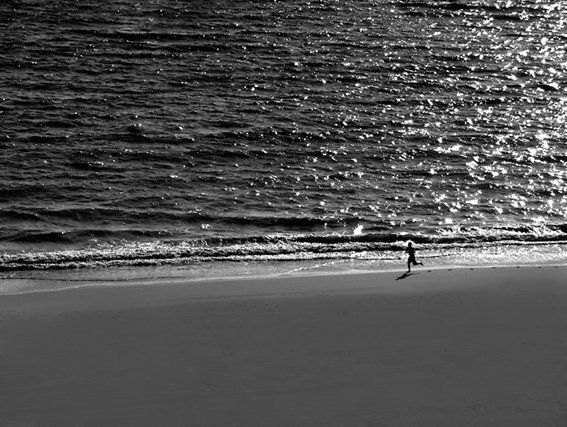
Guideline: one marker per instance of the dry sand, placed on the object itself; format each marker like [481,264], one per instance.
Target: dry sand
[478,347]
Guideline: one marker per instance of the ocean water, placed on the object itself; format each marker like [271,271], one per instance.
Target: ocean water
[207,134]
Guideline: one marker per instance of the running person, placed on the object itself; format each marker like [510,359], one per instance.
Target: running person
[411,259]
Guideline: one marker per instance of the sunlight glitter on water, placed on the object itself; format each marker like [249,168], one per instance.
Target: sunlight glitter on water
[284,117]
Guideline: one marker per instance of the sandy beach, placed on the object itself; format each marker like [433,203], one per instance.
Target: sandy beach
[447,347]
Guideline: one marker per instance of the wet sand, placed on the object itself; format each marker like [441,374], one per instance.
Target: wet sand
[437,348]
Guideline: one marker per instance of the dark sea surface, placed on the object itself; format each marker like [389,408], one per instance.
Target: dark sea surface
[181,132]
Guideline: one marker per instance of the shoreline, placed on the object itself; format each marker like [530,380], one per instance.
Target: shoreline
[61,280]
[465,346]
[235,260]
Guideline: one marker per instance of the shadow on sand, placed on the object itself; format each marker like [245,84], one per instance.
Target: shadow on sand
[406,274]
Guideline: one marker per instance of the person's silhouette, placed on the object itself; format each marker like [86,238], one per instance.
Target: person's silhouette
[411,259]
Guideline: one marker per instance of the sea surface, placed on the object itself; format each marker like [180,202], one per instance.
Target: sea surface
[196,133]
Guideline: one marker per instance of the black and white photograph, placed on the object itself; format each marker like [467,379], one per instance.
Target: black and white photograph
[283,213]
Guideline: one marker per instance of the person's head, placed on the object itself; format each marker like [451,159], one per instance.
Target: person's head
[409,244]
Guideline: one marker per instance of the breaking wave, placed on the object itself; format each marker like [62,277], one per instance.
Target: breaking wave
[379,246]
